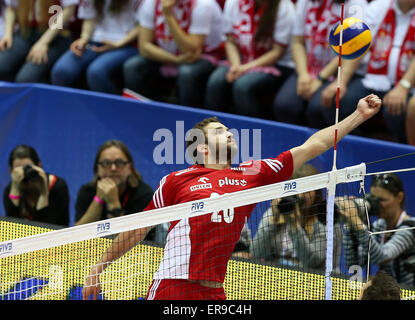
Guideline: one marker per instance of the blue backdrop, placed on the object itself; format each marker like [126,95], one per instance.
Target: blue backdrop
[66,127]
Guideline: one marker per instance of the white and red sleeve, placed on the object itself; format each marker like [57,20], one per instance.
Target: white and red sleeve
[271,170]
[163,196]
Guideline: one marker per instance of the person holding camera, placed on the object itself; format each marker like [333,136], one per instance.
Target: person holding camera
[116,189]
[34,194]
[293,230]
[391,251]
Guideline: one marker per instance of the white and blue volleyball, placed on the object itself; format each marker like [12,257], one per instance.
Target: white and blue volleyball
[357,38]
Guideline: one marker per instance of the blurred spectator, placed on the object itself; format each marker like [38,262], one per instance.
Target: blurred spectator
[117,187]
[181,40]
[2,17]
[108,38]
[242,247]
[315,61]
[410,119]
[34,194]
[31,44]
[390,251]
[389,72]
[258,34]
[381,287]
[294,233]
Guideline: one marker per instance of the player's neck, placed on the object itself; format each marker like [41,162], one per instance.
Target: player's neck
[217,166]
[216,163]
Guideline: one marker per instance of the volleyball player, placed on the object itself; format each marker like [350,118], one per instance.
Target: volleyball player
[197,249]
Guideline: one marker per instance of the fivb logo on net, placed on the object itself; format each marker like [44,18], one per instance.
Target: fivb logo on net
[171,148]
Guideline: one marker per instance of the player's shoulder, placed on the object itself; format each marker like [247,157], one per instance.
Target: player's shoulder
[185,172]
[278,161]
[180,175]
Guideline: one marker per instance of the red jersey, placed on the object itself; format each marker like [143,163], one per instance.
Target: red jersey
[199,248]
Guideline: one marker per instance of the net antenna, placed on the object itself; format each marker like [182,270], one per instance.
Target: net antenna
[331,189]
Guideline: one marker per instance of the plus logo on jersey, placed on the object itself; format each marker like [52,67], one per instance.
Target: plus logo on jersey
[232,182]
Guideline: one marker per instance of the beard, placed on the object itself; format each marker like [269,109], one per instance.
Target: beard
[225,153]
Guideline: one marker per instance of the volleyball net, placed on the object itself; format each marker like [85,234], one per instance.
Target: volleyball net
[291,246]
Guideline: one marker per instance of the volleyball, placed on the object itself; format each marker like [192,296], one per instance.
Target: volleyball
[356,41]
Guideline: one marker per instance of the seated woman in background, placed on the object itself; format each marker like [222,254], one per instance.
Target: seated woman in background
[294,233]
[32,193]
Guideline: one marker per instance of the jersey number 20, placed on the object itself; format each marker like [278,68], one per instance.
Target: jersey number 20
[227,214]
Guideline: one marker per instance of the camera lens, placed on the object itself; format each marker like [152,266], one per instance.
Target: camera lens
[372,204]
[287,204]
[30,173]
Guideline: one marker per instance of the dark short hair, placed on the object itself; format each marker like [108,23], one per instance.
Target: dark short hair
[390,182]
[383,287]
[193,133]
[134,179]
[23,151]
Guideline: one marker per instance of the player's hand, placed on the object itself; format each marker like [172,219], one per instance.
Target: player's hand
[78,46]
[328,95]
[369,106]
[396,99]
[92,285]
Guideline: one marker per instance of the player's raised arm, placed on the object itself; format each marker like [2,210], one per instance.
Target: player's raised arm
[323,140]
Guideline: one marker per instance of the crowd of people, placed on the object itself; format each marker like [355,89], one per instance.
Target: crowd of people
[259,58]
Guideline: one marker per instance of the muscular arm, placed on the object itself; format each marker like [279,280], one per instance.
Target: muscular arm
[323,140]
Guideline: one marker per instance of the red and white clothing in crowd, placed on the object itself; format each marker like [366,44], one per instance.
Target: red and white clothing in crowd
[111,27]
[199,17]
[34,19]
[241,22]
[393,44]
[198,248]
[314,20]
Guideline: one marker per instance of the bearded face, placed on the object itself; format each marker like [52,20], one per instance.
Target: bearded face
[222,146]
